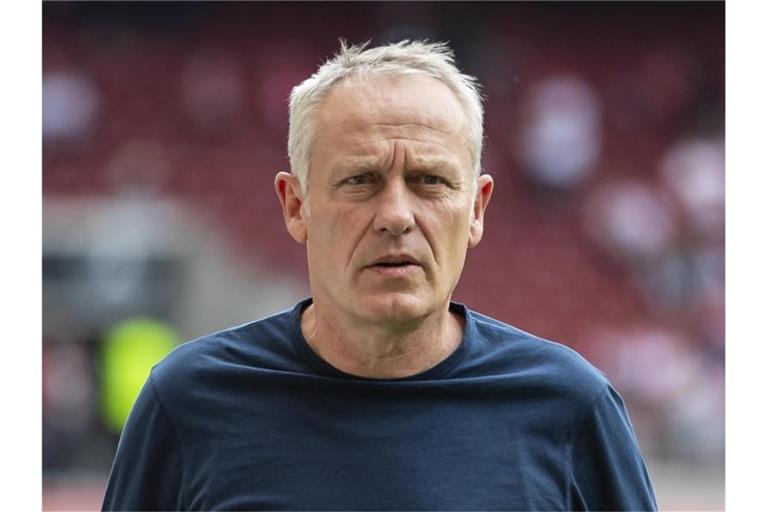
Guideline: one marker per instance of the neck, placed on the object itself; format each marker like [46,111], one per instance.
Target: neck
[381,351]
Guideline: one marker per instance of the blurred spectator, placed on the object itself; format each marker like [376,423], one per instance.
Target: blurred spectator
[117,255]
[666,282]
[282,66]
[707,305]
[121,245]
[694,171]
[70,105]
[212,91]
[667,76]
[68,400]
[629,220]
[636,225]
[650,362]
[651,93]
[677,393]
[68,385]
[131,348]
[696,416]
[560,141]
[138,168]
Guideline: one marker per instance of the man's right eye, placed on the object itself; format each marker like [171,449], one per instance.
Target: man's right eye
[359,179]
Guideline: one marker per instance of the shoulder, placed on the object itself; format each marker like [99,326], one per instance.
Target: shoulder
[261,344]
[503,349]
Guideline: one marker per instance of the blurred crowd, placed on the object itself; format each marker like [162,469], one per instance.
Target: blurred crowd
[605,135]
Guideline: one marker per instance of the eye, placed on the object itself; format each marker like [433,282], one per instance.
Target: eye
[431,180]
[360,179]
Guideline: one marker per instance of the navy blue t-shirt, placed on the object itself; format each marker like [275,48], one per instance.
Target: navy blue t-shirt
[251,418]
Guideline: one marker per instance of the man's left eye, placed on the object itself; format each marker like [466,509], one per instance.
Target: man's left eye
[428,179]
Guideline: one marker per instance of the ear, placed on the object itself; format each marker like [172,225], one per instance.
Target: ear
[291,199]
[482,198]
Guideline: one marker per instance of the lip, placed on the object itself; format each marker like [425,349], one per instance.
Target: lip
[408,266]
[396,258]
[394,272]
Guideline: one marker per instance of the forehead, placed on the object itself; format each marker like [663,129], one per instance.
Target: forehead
[361,111]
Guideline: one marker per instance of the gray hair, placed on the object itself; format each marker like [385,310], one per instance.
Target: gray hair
[435,60]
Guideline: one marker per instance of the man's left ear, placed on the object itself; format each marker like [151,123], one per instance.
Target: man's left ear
[482,198]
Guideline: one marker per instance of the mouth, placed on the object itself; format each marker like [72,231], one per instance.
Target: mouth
[396,265]
[395,261]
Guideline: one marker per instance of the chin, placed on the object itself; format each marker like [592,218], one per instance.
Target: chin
[395,307]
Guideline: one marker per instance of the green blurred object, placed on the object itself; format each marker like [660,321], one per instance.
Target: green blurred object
[131,349]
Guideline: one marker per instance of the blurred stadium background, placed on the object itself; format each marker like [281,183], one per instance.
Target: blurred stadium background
[164,124]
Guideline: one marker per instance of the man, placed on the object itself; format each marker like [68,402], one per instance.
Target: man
[379,393]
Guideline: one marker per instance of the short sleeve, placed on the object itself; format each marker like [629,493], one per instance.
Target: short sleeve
[608,472]
[147,470]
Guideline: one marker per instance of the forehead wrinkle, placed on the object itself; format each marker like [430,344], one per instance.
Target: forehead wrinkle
[372,133]
[378,152]
[420,126]
[451,141]
[438,133]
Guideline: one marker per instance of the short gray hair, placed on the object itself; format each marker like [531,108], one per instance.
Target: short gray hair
[435,60]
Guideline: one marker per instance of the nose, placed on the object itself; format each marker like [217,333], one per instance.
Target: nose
[394,213]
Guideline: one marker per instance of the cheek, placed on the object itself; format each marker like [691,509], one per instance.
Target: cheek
[337,234]
[462,222]
[341,225]
[447,228]
[459,234]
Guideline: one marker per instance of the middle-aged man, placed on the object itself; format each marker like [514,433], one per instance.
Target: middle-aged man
[378,392]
